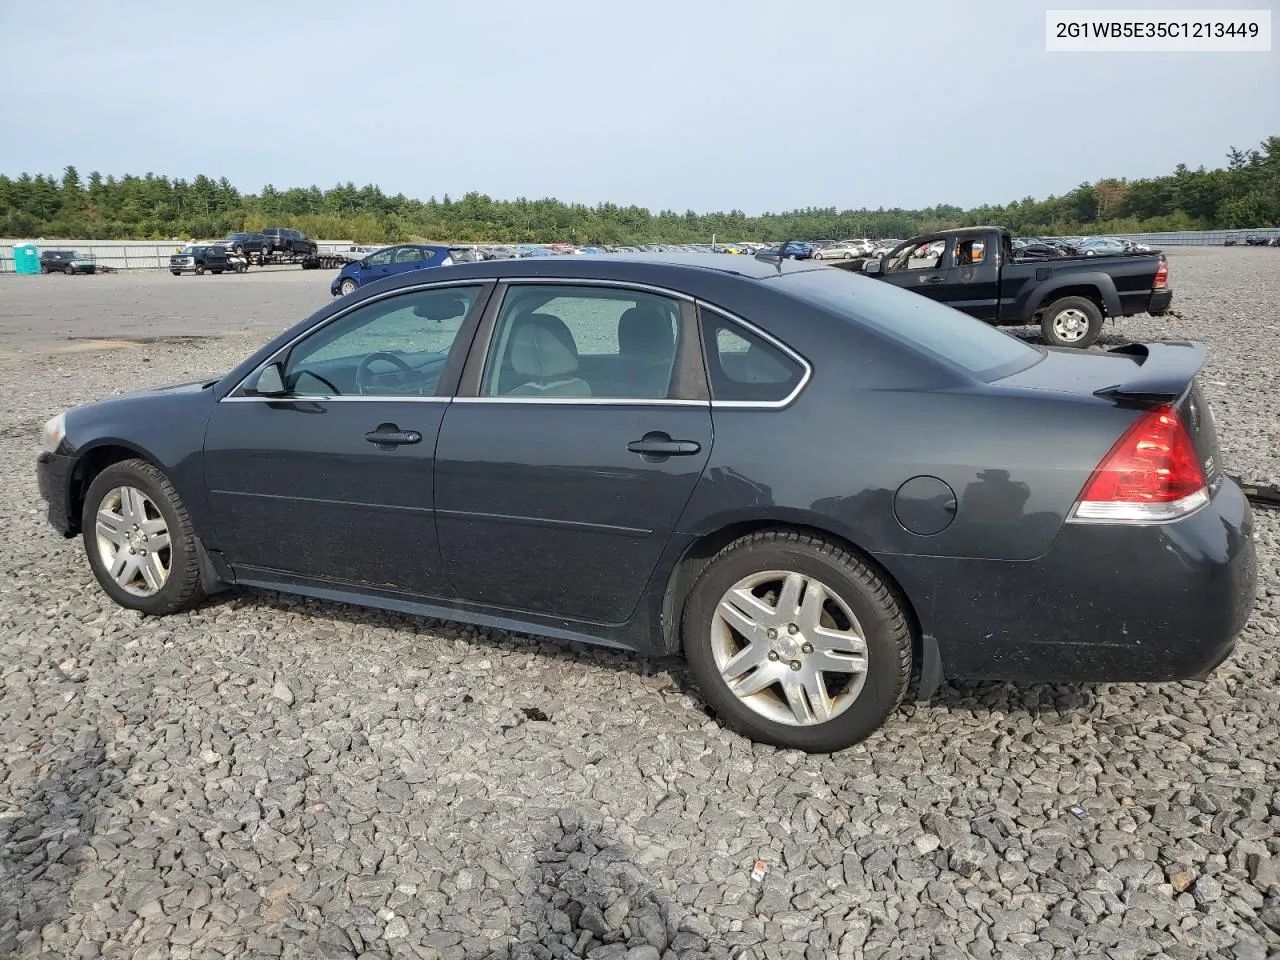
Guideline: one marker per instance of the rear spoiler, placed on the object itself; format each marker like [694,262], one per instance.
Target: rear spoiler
[1164,371]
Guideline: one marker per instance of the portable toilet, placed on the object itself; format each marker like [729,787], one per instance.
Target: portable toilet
[26,258]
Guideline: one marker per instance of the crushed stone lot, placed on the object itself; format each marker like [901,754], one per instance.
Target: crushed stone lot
[269,776]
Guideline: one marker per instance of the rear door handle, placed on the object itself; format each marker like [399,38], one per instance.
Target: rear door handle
[661,445]
[392,438]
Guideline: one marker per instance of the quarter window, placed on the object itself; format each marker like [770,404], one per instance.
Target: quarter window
[743,367]
[582,342]
[396,346]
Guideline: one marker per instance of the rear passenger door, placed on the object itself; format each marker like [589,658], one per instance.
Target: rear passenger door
[581,427]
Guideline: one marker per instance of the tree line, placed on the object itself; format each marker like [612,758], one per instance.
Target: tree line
[1245,193]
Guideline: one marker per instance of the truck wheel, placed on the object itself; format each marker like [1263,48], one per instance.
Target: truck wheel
[176,273]
[199,271]
[1071,322]
[238,250]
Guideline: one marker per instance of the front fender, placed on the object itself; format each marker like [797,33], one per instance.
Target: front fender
[164,427]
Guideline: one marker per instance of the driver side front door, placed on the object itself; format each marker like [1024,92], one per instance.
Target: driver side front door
[333,482]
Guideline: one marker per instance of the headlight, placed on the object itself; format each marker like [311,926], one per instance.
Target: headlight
[53,432]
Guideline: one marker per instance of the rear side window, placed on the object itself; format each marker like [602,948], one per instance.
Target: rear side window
[958,340]
[745,368]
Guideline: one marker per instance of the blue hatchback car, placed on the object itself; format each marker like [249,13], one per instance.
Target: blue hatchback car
[394,260]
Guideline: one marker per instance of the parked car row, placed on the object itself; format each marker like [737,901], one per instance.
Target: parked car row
[1254,240]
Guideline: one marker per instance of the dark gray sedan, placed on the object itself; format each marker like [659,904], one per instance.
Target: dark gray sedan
[822,490]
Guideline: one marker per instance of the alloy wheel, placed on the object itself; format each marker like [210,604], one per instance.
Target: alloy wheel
[789,648]
[133,541]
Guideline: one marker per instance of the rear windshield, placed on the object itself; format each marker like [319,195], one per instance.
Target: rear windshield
[973,347]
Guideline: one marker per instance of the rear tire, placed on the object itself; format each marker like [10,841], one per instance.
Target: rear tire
[855,608]
[164,579]
[1071,322]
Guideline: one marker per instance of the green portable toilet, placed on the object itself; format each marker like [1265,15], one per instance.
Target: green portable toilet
[26,258]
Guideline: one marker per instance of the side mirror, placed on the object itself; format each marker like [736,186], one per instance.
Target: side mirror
[871,266]
[271,381]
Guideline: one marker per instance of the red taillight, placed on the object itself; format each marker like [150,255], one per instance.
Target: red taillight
[1152,474]
[1162,276]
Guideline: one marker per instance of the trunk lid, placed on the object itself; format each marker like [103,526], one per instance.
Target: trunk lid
[1136,376]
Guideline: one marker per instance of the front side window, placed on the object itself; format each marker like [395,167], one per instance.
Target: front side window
[396,346]
[926,255]
[383,257]
[743,367]
[582,342]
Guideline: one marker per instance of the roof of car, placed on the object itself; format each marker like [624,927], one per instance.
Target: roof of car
[742,266]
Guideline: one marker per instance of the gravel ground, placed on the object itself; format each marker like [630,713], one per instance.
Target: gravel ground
[268,776]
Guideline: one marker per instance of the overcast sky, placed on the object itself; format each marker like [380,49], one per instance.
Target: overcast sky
[684,104]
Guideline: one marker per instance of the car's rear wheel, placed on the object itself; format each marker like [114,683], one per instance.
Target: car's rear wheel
[139,539]
[347,287]
[794,641]
[1071,322]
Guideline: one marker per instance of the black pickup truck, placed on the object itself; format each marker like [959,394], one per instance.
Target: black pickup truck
[975,270]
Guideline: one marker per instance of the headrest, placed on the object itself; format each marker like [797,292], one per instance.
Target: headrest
[644,329]
[542,346]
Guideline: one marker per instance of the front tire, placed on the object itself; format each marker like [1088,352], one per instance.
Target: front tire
[795,642]
[69,270]
[1071,322]
[139,540]
[347,287]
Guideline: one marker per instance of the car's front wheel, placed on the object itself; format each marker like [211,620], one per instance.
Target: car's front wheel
[347,287]
[139,539]
[794,641]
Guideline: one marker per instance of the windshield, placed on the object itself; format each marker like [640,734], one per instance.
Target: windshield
[962,342]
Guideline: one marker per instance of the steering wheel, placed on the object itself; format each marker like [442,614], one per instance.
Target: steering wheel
[362,371]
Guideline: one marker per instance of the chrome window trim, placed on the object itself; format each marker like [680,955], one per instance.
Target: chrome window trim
[772,341]
[587,401]
[326,398]
[231,397]
[587,282]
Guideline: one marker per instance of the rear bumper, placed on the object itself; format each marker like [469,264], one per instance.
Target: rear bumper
[53,477]
[1107,603]
[1160,300]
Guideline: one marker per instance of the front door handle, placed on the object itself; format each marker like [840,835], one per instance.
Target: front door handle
[933,280]
[388,438]
[661,445]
